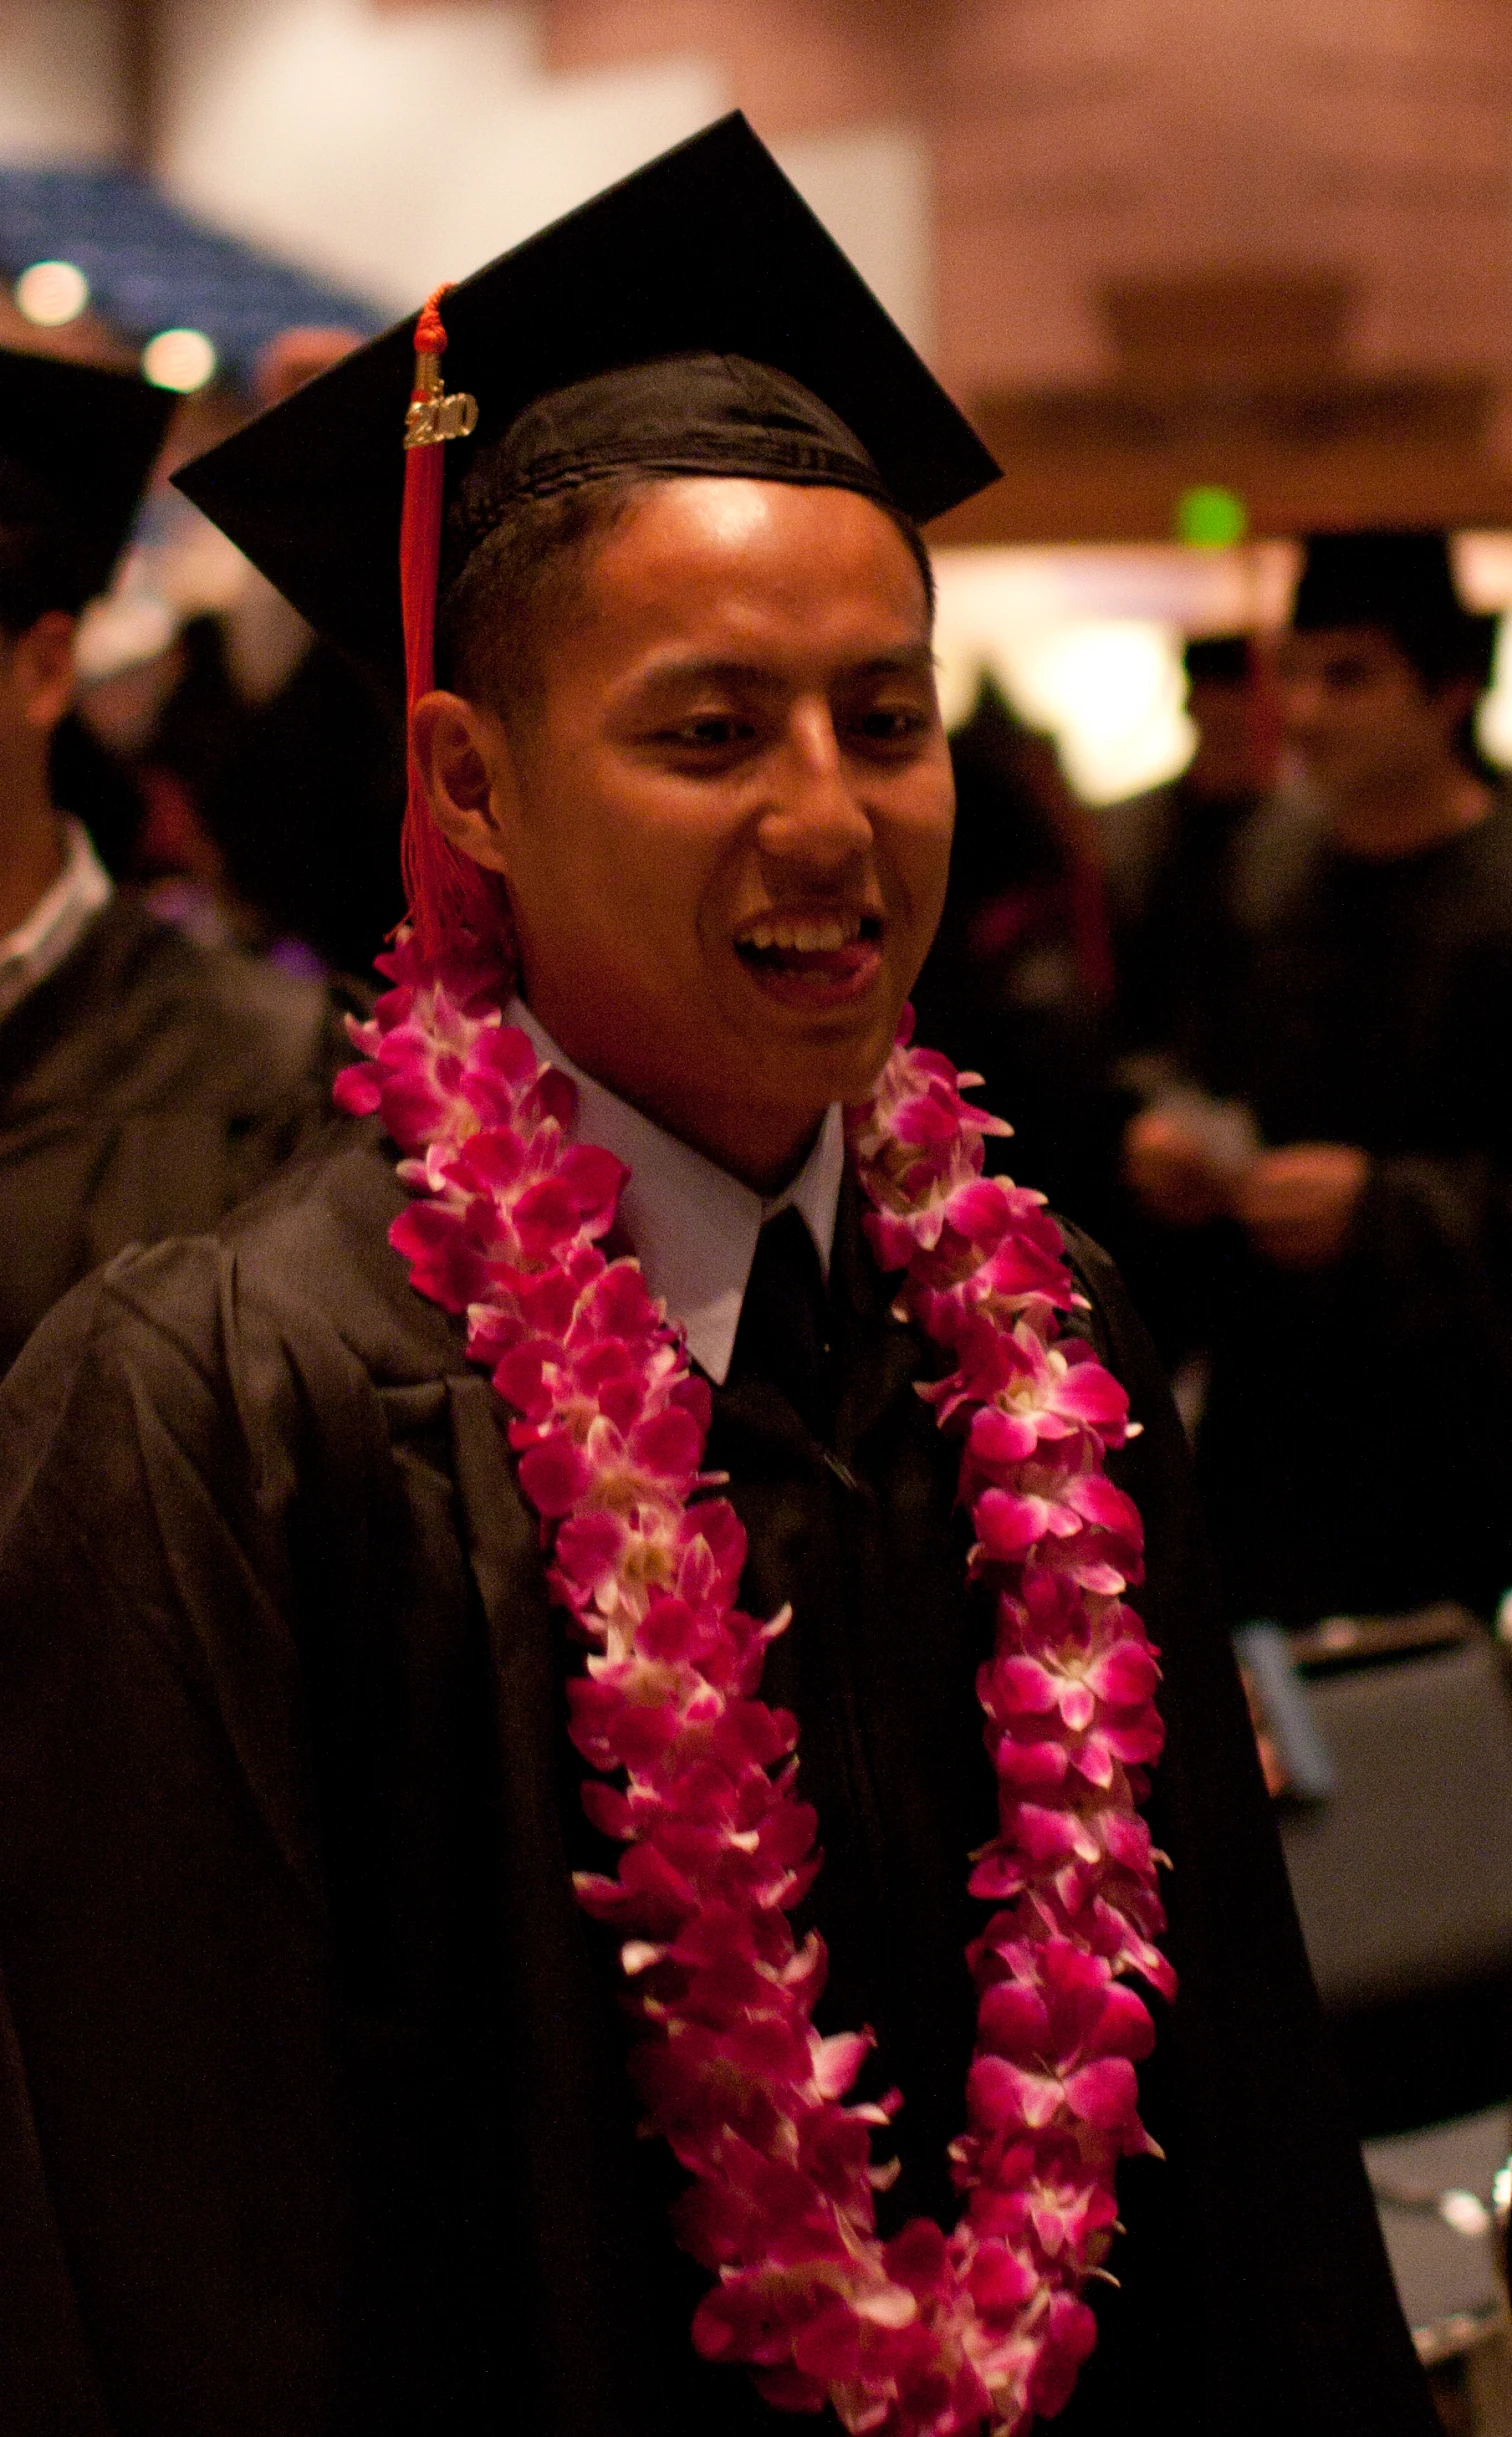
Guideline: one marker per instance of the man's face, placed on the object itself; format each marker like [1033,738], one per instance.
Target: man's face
[1359,715]
[726,822]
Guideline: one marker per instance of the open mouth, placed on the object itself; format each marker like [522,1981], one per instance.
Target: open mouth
[813,957]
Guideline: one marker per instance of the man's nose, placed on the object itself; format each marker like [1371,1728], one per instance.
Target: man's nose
[817,812]
[1301,703]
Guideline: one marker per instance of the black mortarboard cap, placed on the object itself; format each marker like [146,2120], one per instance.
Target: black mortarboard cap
[709,252]
[1402,583]
[77,445]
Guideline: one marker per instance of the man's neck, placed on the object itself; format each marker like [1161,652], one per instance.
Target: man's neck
[760,1146]
[1392,822]
[765,1152]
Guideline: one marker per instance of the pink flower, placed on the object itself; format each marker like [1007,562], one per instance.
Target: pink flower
[1023,1395]
[1070,2337]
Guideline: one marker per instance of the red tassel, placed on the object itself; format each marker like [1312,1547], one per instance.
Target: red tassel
[447,893]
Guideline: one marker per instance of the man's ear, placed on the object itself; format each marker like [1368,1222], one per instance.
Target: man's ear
[42,669]
[465,762]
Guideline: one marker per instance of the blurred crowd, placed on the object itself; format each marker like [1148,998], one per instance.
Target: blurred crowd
[222,758]
[1253,1030]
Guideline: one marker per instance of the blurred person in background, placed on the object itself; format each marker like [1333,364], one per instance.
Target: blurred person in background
[271,817]
[1018,984]
[1346,1145]
[264,761]
[146,1085]
[1171,859]
[305,810]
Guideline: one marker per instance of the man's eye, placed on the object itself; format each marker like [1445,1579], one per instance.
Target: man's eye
[718,730]
[881,726]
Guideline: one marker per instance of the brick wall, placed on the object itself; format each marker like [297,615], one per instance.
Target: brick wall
[795,66]
[1077,140]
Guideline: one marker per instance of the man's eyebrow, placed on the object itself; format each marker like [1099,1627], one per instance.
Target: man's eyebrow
[910,660]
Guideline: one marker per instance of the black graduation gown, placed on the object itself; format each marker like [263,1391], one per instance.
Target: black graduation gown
[313,2117]
[1357,1444]
[146,1087]
[1169,871]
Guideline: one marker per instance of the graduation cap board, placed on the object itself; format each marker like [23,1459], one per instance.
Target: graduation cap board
[709,250]
[84,441]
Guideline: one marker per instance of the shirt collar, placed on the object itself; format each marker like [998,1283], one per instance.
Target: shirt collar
[693,1225]
[56,922]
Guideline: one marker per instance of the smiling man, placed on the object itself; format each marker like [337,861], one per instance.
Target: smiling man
[639,1447]
[729,813]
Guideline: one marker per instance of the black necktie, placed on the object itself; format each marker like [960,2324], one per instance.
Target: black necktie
[784,1321]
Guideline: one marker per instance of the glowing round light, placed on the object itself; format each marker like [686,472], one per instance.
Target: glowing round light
[179,359]
[1211,516]
[51,293]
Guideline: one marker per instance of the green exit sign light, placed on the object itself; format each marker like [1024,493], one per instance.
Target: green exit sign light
[1211,516]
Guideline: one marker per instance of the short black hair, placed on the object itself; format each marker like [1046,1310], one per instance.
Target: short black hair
[1439,651]
[77,446]
[488,618]
[39,560]
[1399,583]
[1219,660]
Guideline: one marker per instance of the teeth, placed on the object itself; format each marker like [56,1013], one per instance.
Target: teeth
[808,934]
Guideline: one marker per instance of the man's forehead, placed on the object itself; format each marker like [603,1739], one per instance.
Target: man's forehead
[706,570]
[693,534]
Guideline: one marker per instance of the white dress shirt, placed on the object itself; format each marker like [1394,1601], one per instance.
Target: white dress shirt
[692,1224]
[58,920]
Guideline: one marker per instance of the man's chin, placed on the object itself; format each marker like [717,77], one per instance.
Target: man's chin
[813,1072]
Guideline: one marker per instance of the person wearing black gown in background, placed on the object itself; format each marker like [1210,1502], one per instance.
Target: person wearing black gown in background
[313,2108]
[146,1085]
[1169,860]
[1358,1252]
[1018,984]
[1172,863]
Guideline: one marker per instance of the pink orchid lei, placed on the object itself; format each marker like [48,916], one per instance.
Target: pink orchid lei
[926,2335]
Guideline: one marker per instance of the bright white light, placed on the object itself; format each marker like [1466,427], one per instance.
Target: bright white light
[284,119]
[179,359]
[1466,2213]
[51,293]
[1109,689]
[1086,642]
[122,631]
[1493,725]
